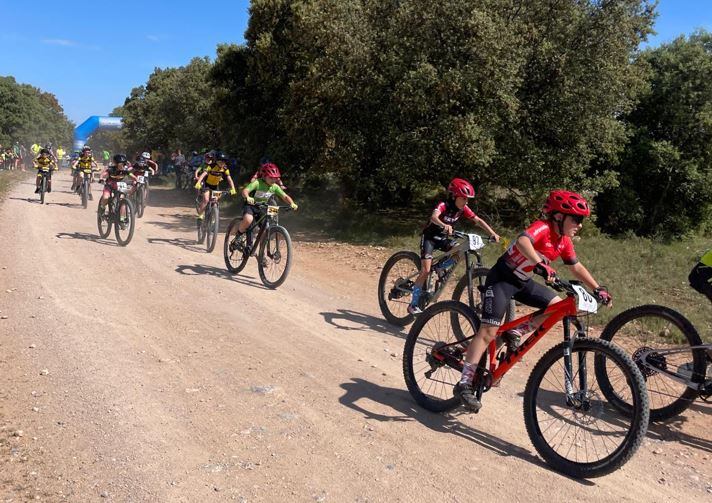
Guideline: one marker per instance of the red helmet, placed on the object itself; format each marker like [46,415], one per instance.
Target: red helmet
[270,170]
[568,203]
[461,188]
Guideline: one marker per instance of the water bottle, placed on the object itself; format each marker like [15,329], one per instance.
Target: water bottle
[443,267]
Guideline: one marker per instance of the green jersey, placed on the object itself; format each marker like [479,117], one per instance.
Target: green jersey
[264,192]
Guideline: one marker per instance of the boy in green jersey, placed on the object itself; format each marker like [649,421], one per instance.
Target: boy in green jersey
[264,189]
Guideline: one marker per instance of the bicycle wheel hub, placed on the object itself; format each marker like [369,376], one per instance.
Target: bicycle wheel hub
[401,288]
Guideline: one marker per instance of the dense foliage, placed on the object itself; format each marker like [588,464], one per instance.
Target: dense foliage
[389,99]
[29,115]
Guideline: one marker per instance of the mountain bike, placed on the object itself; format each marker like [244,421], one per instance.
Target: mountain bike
[395,286]
[84,190]
[209,225]
[668,350]
[140,196]
[119,213]
[569,420]
[274,258]
[44,184]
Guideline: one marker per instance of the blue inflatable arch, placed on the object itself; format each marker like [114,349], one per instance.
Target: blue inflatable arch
[94,123]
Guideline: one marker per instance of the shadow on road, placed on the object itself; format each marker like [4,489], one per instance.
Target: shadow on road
[360,390]
[360,321]
[671,431]
[86,237]
[200,270]
[186,244]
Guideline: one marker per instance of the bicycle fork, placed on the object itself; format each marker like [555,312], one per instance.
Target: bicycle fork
[577,399]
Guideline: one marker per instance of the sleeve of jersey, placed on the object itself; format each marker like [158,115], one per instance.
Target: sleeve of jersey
[252,185]
[278,190]
[536,232]
[568,254]
[468,213]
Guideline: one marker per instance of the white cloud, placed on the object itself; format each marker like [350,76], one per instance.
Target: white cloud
[59,41]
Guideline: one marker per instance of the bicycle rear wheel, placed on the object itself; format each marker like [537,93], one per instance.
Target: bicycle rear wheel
[125,222]
[212,225]
[579,432]
[275,256]
[235,250]
[395,287]
[651,327]
[433,354]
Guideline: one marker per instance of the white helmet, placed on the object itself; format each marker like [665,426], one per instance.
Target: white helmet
[146,155]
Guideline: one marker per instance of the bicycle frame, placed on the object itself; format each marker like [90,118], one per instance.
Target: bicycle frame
[564,311]
[703,387]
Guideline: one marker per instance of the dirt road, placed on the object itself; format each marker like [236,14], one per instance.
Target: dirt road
[147,373]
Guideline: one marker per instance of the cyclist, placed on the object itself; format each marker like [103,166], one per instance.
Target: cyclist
[438,229]
[206,161]
[264,189]
[532,253]
[44,164]
[213,174]
[144,163]
[85,163]
[115,173]
[258,174]
[701,275]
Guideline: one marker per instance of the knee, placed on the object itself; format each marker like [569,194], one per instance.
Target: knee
[487,332]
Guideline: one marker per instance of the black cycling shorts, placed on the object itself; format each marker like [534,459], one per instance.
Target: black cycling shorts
[429,243]
[502,285]
[251,209]
[700,279]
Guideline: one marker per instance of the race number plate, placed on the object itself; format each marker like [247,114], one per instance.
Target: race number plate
[585,301]
[141,179]
[272,210]
[476,242]
[122,186]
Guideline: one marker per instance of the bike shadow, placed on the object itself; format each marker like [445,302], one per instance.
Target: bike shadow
[671,431]
[186,244]
[364,322]
[401,401]
[200,270]
[86,237]
[34,199]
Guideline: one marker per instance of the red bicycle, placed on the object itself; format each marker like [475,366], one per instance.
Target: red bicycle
[571,423]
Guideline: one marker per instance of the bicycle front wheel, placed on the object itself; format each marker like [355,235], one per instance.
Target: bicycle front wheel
[433,353]
[570,421]
[139,201]
[395,287]
[85,194]
[103,219]
[43,189]
[650,327]
[275,256]
[125,222]
[235,250]
[211,228]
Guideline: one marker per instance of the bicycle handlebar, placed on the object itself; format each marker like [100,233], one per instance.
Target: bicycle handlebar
[463,235]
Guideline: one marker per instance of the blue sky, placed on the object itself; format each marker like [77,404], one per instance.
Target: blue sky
[91,53]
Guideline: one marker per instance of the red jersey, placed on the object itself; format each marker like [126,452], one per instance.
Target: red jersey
[449,214]
[548,245]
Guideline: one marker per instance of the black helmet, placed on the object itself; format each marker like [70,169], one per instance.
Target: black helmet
[86,147]
[119,158]
[194,153]
[220,156]
[44,151]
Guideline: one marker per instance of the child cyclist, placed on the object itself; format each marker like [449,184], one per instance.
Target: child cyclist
[114,174]
[264,189]
[701,275]
[540,244]
[213,174]
[84,163]
[44,164]
[440,226]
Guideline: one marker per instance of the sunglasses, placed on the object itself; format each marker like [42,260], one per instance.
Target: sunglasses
[578,219]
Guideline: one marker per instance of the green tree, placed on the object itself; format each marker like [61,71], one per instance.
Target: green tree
[665,173]
[28,115]
[175,109]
